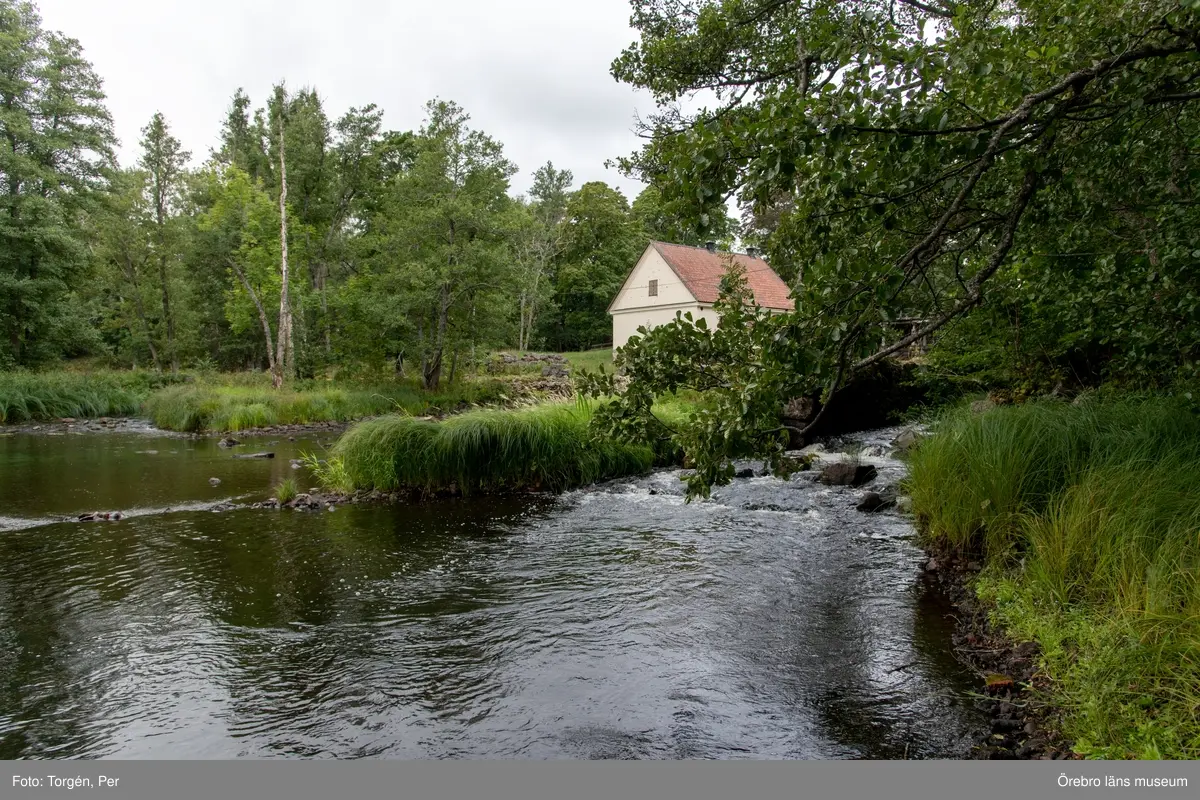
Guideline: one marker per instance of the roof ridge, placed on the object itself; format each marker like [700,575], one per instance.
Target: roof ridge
[705,249]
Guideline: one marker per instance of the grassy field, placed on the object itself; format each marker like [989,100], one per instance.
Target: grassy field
[235,401]
[205,406]
[590,360]
[1086,518]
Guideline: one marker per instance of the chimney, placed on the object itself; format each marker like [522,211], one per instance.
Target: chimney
[710,247]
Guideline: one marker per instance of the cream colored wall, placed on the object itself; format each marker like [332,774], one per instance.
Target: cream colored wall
[636,291]
[626,323]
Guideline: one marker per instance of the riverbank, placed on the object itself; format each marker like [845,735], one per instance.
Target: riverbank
[1070,527]
[241,402]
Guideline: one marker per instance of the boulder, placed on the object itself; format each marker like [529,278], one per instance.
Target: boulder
[845,473]
[876,501]
[228,441]
[214,481]
[906,441]
[744,473]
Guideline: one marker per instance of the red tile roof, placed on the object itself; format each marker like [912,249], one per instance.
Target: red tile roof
[701,272]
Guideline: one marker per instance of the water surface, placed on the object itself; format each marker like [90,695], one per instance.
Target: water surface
[773,621]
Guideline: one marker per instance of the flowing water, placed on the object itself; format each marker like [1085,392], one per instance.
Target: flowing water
[773,621]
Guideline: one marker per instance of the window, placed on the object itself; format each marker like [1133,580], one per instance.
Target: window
[654,288]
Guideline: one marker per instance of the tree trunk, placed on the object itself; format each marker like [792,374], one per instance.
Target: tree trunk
[131,273]
[262,314]
[283,347]
[433,371]
[166,304]
[521,326]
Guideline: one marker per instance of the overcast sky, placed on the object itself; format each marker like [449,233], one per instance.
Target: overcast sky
[531,73]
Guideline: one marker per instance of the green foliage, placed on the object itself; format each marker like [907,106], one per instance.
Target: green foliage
[662,222]
[904,159]
[58,139]
[440,273]
[738,367]
[601,244]
[590,360]
[1125,682]
[330,473]
[545,448]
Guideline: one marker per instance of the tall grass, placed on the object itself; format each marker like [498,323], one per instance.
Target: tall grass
[220,407]
[1087,517]
[36,396]
[978,479]
[548,447]
[286,490]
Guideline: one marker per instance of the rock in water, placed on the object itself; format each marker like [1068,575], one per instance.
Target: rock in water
[214,481]
[256,455]
[906,441]
[744,473]
[874,501]
[228,441]
[847,474]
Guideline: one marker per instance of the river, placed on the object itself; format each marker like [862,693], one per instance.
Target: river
[772,621]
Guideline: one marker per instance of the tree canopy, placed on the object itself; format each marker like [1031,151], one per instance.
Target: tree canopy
[922,159]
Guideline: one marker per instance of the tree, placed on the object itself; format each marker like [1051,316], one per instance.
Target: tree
[58,140]
[664,224]
[601,243]
[539,243]
[438,249]
[164,161]
[242,227]
[122,231]
[284,362]
[916,154]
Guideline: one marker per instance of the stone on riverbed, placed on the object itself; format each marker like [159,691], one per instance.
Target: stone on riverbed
[228,441]
[255,455]
[214,481]
[906,441]
[876,501]
[845,473]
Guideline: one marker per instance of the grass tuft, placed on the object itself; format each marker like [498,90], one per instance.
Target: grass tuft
[549,447]
[286,490]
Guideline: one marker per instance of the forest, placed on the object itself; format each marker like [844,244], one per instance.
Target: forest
[309,238]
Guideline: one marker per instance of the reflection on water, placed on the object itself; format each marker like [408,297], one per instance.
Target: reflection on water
[771,622]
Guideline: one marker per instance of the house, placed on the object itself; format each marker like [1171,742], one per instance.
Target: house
[671,278]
